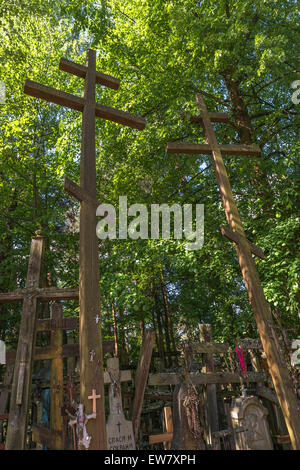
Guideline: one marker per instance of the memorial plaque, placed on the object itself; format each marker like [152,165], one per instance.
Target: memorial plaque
[119,430]
[248,411]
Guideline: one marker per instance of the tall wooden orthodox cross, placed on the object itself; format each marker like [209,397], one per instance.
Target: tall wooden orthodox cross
[91,358]
[244,248]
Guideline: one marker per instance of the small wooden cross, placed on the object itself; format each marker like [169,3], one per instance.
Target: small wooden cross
[94,398]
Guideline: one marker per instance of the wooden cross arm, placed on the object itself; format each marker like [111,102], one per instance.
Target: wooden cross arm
[165,437]
[80,71]
[205,149]
[205,378]
[214,117]
[67,350]
[235,237]
[53,95]
[79,193]
[120,117]
[44,294]
[49,324]
[75,102]
[209,348]
[125,376]
[48,437]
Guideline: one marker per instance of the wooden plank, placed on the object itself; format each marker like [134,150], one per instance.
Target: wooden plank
[47,352]
[250,343]
[45,294]
[48,324]
[76,191]
[205,149]
[53,95]
[120,117]
[5,388]
[164,437]
[210,392]
[81,70]
[56,378]
[261,309]
[75,102]
[89,294]
[168,425]
[54,293]
[267,393]
[283,439]
[125,376]
[166,378]
[19,404]
[210,348]
[214,117]
[141,378]
[235,237]
[47,437]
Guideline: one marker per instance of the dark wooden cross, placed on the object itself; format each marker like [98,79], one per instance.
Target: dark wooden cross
[244,248]
[19,402]
[89,296]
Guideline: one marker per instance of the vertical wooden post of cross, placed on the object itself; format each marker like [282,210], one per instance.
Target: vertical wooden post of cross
[210,392]
[91,366]
[56,377]
[20,394]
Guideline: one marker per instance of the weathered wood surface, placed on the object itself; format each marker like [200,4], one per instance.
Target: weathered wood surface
[233,236]
[48,324]
[183,439]
[81,70]
[81,195]
[20,394]
[75,102]
[210,393]
[45,294]
[205,149]
[164,437]
[48,352]
[47,437]
[125,376]
[214,117]
[5,389]
[205,378]
[56,377]
[209,348]
[141,378]
[169,428]
[267,393]
[91,372]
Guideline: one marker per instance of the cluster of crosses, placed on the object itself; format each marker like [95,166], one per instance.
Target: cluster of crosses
[94,432]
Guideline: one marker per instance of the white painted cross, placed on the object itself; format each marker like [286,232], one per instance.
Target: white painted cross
[119,431]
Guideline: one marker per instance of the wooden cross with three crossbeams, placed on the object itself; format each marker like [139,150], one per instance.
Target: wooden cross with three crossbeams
[91,370]
[244,248]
